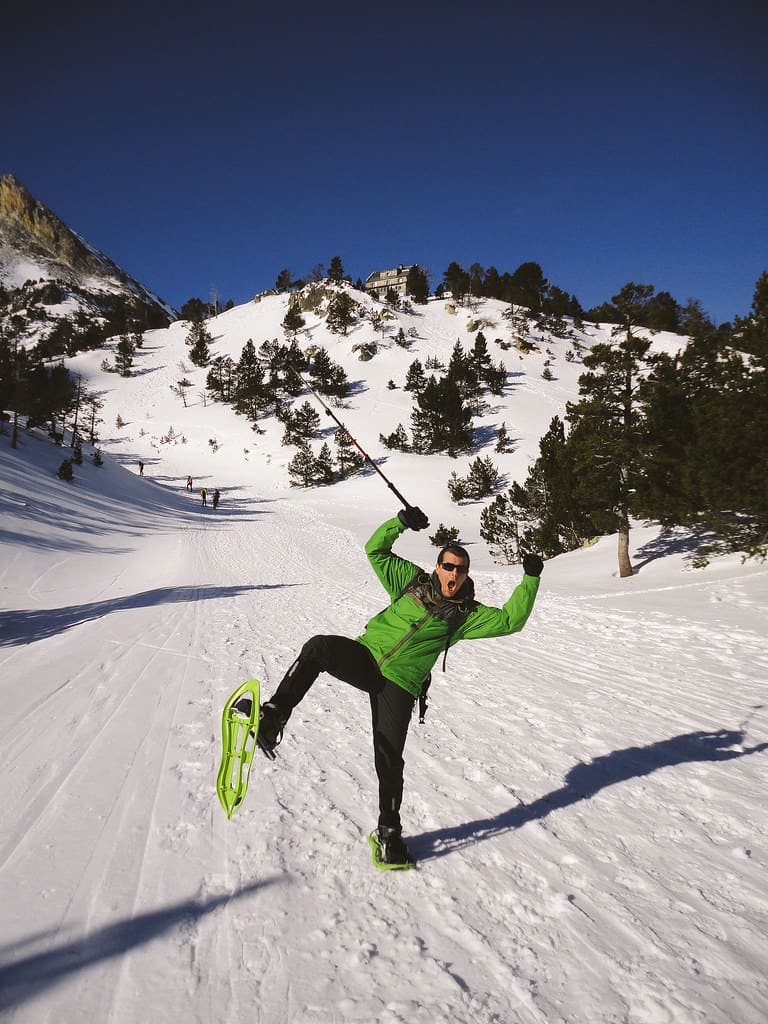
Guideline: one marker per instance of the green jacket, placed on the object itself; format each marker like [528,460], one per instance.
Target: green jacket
[406,639]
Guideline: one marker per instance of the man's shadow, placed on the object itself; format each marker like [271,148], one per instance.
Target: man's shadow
[583,781]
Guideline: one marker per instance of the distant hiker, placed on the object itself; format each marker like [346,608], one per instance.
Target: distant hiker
[189,483]
[392,660]
[204,495]
[216,497]
[141,469]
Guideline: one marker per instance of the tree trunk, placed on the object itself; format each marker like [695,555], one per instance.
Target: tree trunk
[625,566]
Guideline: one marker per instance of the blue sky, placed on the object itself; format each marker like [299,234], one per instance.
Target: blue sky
[207,147]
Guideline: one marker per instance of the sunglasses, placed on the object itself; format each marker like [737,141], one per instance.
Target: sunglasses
[462,570]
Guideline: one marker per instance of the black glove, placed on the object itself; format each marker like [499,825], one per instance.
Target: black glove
[413,518]
[532,565]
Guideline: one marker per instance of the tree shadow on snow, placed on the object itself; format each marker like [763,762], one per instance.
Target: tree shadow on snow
[28,976]
[673,541]
[28,625]
[584,781]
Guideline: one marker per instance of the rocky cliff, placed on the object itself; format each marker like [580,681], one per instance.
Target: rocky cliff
[34,242]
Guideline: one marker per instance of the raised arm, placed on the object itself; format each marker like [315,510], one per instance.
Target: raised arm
[394,572]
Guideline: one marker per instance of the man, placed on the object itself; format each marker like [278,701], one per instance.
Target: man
[394,656]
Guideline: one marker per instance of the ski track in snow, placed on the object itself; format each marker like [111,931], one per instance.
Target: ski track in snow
[584,799]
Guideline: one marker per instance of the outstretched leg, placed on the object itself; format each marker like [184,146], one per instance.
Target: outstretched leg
[339,656]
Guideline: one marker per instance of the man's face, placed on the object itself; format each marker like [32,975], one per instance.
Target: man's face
[451,572]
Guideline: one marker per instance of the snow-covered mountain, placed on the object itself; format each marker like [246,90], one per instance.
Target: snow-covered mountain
[586,798]
[51,273]
[175,439]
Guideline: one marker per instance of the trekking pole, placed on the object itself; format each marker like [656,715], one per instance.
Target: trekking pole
[365,455]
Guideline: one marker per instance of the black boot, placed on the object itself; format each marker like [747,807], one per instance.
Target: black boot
[271,724]
[392,849]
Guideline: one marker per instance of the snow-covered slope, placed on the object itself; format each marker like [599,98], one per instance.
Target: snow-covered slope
[586,799]
[146,404]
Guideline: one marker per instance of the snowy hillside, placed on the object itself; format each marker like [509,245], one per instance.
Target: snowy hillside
[586,798]
[146,405]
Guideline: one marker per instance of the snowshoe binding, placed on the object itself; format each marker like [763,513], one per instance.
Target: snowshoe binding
[389,851]
[271,725]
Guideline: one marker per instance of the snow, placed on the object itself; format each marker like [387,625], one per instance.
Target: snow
[586,798]
[16,269]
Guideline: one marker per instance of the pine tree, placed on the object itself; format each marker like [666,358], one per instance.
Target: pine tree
[283,281]
[694,321]
[457,487]
[417,285]
[321,368]
[476,274]
[324,464]
[302,468]
[441,421]
[705,462]
[199,341]
[456,281]
[529,286]
[348,456]
[496,378]
[415,379]
[93,406]
[445,535]
[499,529]
[124,355]
[78,398]
[545,513]
[392,298]
[329,378]
[221,378]
[397,440]
[480,358]
[301,425]
[336,269]
[47,395]
[606,438]
[751,332]
[482,477]
[65,472]
[293,321]
[193,309]
[666,489]
[252,396]
[503,442]
[341,313]
[458,364]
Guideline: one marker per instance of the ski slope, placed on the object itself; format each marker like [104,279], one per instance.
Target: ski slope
[586,798]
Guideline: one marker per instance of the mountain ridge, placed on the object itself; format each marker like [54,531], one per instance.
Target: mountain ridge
[36,244]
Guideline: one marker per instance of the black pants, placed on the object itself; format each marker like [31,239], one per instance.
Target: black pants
[391,707]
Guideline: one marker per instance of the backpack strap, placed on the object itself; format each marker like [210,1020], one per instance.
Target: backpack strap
[455,622]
